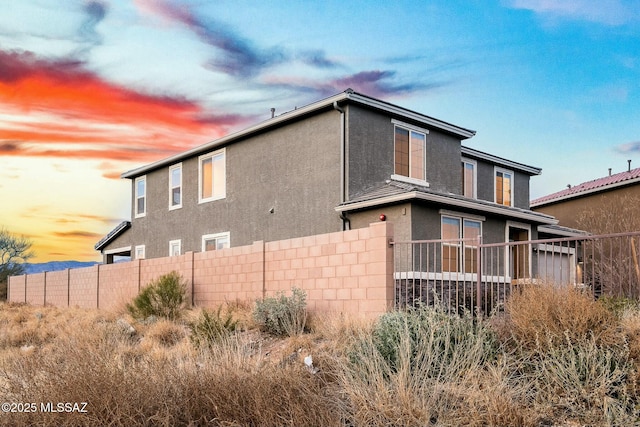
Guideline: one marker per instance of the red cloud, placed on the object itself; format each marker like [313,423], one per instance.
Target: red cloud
[77,108]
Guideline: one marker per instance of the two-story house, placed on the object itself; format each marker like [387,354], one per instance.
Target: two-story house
[335,164]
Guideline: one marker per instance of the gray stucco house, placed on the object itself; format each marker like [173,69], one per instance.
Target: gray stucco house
[336,164]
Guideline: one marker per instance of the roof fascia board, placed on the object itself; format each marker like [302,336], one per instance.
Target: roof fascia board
[534,217]
[284,117]
[371,102]
[587,192]
[499,160]
[290,115]
[557,232]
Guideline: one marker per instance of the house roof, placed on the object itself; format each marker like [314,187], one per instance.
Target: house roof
[470,152]
[348,96]
[394,191]
[117,231]
[597,185]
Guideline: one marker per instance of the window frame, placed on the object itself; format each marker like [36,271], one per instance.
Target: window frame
[137,196]
[177,243]
[408,178]
[474,163]
[216,236]
[460,245]
[140,252]
[503,171]
[213,196]
[173,168]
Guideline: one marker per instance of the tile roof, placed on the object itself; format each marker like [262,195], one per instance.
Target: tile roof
[600,184]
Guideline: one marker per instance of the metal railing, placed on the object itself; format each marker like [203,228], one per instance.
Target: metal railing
[466,274]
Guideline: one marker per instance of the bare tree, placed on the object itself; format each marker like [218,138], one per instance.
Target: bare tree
[15,251]
[613,264]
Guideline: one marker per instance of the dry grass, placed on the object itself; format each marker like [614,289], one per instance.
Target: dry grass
[549,367]
[542,314]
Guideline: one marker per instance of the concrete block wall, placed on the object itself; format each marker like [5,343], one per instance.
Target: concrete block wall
[234,274]
[347,272]
[83,287]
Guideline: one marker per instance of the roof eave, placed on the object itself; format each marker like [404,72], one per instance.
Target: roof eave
[468,204]
[236,135]
[347,95]
[532,170]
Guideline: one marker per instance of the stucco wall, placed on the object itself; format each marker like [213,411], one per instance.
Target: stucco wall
[568,212]
[370,153]
[294,169]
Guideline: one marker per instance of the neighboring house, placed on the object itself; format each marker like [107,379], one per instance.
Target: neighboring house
[336,164]
[604,205]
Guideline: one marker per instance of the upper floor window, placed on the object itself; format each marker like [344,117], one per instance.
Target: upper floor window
[212,176]
[504,187]
[141,196]
[212,242]
[410,152]
[175,186]
[469,180]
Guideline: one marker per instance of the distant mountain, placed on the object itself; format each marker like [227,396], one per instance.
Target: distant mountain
[57,265]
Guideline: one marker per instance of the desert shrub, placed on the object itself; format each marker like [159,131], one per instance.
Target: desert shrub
[578,379]
[165,332]
[415,368]
[211,327]
[163,297]
[282,315]
[543,314]
[618,305]
[431,331]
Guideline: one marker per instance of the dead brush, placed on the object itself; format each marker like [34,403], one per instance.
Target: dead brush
[539,314]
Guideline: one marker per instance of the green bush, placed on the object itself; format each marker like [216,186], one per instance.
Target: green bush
[163,297]
[433,339]
[618,305]
[282,315]
[212,327]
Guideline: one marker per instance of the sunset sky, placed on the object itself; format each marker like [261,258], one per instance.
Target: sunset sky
[90,89]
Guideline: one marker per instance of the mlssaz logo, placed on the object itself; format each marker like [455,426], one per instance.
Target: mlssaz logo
[80,407]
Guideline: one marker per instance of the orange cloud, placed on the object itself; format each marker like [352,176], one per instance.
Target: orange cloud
[70,105]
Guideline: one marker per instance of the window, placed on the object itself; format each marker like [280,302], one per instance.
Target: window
[212,179]
[410,153]
[175,247]
[469,187]
[175,186]
[460,255]
[140,252]
[504,186]
[213,242]
[140,185]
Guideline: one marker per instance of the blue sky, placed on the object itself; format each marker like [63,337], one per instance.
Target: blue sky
[89,89]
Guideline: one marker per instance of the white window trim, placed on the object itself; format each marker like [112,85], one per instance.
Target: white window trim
[204,157]
[475,177]
[461,243]
[175,242]
[410,126]
[522,226]
[140,249]
[206,237]
[171,169]
[497,169]
[136,197]
[408,179]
